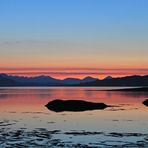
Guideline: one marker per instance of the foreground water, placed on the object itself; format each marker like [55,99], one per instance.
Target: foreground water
[26,122]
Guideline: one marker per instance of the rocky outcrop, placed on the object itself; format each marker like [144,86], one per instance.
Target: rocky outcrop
[74,105]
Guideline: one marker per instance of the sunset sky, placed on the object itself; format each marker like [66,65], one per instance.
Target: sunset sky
[74,38]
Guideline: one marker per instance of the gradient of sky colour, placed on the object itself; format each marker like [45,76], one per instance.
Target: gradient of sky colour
[65,38]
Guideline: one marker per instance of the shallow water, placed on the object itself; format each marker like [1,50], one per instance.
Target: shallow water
[25,121]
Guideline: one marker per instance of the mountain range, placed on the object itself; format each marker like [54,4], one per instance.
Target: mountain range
[10,80]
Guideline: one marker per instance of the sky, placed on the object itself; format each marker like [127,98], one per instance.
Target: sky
[74,38]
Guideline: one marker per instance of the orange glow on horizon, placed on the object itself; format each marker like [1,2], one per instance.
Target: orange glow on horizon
[64,72]
[63,76]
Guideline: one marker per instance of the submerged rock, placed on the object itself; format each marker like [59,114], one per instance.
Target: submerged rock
[74,105]
[145,102]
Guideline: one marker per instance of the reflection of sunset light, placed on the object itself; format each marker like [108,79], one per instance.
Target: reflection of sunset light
[32,99]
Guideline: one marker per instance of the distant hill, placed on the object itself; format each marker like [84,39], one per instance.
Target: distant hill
[89,79]
[123,81]
[42,80]
[107,78]
[72,81]
[32,81]
[9,80]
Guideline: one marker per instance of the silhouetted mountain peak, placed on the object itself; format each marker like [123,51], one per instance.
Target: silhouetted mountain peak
[43,76]
[121,81]
[89,79]
[108,78]
[4,81]
[71,81]
[3,74]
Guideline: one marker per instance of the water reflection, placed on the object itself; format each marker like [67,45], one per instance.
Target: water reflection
[24,108]
[37,98]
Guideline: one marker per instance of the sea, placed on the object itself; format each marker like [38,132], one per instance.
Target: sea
[25,121]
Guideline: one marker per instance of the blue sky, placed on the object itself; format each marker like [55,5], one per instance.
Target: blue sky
[73,19]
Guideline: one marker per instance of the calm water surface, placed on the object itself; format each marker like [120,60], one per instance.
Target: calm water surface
[22,112]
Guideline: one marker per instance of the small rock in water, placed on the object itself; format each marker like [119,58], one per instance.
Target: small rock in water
[145,102]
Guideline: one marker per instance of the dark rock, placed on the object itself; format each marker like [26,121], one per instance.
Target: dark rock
[74,105]
[145,102]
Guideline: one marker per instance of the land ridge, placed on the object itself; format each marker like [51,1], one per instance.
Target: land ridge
[10,80]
